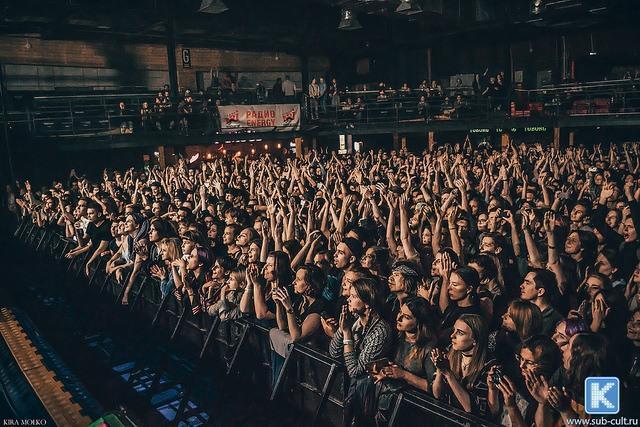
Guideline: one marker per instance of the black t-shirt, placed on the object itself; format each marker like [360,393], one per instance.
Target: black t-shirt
[98,234]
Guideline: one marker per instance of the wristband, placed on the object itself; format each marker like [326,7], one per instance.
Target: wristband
[290,311]
[551,247]
[347,342]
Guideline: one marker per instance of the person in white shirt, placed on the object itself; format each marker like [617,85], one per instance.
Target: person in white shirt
[314,97]
[289,89]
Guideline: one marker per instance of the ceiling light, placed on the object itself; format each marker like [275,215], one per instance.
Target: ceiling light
[592,51]
[408,7]
[348,21]
[212,6]
[536,7]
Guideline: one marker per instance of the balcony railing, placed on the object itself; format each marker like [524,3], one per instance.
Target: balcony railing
[91,115]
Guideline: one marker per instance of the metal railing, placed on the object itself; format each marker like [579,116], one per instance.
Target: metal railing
[99,114]
[619,97]
[242,346]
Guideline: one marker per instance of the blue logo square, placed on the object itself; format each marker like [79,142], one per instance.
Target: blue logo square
[602,395]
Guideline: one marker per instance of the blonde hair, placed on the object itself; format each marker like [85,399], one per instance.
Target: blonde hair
[240,274]
[526,317]
[173,247]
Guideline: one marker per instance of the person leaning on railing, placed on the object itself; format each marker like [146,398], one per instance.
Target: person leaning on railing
[363,336]
[411,364]
[461,372]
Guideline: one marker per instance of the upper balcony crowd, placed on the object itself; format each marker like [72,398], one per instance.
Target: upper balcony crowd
[329,104]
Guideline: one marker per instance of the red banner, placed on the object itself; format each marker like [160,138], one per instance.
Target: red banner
[260,118]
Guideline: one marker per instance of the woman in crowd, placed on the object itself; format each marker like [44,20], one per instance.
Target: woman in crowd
[461,373]
[228,305]
[210,291]
[135,229]
[189,276]
[376,259]
[586,355]
[363,336]
[411,364]
[170,251]
[300,317]
[259,296]
[457,295]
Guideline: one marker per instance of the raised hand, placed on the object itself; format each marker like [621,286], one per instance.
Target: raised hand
[346,321]
[508,391]
[440,360]
[537,386]
[599,309]
[559,399]
[447,265]
[549,222]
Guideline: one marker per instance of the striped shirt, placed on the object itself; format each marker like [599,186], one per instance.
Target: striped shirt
[370,343]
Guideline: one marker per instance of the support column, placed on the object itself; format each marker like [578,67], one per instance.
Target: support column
[429,65]
[305,73]
[298,141]
[572,138]
[164,156]
[403,143]
[431,139]
[504,141]
[171,51]
[5,130]
[396,141]
[556,138]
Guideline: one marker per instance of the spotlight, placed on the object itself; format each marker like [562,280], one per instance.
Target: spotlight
[536,7]
[213,6]
[408,7]
[253,151]
[266,147]
[279,145]
[348,21]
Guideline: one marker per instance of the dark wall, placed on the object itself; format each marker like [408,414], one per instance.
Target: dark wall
[473,52]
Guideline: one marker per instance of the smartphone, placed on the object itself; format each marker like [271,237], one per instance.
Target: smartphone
[376,365]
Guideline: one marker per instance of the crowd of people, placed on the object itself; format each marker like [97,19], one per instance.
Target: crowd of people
[485,92]
[496,281]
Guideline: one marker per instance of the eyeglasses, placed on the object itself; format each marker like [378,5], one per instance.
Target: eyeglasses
[526,362]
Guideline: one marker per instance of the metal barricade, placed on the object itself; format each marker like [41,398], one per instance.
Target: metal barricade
[321,381]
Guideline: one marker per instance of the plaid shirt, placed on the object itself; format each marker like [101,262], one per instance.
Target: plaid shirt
[370,343]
